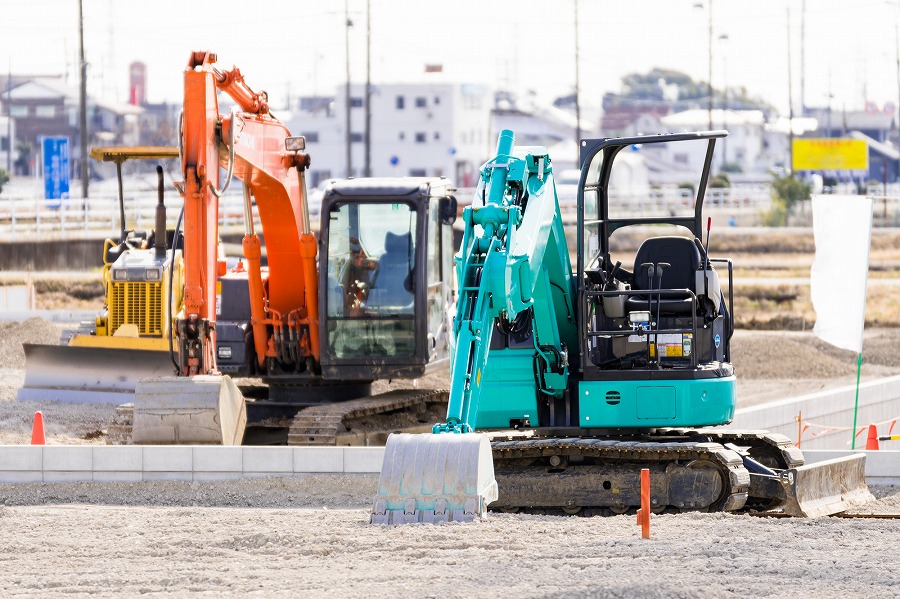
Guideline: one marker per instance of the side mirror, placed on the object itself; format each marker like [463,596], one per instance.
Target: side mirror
[447,210]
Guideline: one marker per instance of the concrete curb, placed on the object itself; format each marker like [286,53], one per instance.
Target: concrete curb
[879,401]
[136,463]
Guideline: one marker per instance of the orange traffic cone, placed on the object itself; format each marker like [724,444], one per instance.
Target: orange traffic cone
[872,441]
[37,430]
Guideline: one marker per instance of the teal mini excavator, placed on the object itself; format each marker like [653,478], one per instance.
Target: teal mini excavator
[564,385]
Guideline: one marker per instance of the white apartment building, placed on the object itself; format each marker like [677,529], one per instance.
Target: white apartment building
[417,129]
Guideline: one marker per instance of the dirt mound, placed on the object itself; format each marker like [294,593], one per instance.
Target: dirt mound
[14,334]
[785,357]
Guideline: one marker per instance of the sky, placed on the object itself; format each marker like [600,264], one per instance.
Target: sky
[293,48]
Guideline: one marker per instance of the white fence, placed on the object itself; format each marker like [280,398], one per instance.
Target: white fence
[29,219]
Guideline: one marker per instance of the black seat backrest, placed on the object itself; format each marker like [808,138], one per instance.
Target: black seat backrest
[680,252]
[393,285]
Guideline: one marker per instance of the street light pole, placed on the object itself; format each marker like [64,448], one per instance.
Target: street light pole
[790,97]
[709,79]
[82,112]
[349,138]
[367,170]
[577,88]
[9,139]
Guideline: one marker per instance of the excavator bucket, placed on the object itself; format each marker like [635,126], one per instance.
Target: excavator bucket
[88,374]
[203,409]
[434,478]
[819,489]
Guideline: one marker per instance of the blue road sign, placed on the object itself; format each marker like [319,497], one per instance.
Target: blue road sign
[56,170]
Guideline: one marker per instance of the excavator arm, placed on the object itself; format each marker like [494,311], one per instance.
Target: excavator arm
[512,257]
[200,405]
[249,144]
[513,265]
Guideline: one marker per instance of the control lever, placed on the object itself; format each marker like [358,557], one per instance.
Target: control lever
[660,267]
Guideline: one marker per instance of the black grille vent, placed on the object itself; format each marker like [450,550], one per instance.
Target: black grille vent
[613,397]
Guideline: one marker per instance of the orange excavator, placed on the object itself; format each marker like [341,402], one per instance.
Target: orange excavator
[375,306]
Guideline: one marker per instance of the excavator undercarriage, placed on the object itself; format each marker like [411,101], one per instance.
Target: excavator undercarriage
[690,470]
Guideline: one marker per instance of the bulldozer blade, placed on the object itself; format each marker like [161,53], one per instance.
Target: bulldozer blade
[198,410]
[819,489]
[88,374]
[434,478]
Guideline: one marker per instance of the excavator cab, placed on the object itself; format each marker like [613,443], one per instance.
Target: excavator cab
[386,247]
[658,314]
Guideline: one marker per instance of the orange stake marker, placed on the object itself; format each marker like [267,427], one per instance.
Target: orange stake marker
[37,430]
[643,514]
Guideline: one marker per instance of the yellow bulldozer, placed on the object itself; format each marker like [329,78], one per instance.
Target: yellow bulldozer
[143,281]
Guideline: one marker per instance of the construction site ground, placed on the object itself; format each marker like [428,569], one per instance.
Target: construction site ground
[310,535]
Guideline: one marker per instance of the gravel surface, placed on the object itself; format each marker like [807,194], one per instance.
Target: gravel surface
[309,536]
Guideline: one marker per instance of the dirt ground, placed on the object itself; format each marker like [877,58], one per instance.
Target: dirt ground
[309,536]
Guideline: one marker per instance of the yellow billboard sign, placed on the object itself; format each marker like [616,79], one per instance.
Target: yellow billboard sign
[830,155]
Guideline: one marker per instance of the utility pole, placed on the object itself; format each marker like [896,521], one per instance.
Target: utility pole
[790,98]
[803,58]
[82,109]
[577,89]
[368,140]
[349,136]
[709,79]
[9,140]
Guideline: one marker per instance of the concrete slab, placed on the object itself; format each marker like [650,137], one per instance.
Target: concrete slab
[64,458]
[363,460]
[318,460]
[22,457]
[159,458]
[67,476]
[213,476]
[186,476]
[21,476]
[118,477]
[218,459]
[118,458]
[268,459]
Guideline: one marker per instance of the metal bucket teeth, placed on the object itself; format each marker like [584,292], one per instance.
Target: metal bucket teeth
[434,478]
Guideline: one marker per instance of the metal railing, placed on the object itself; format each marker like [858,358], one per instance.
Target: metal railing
[29,219]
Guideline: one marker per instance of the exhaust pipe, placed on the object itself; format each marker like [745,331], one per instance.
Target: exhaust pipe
[160,216]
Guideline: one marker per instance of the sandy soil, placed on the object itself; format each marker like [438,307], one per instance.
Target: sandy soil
[310,537]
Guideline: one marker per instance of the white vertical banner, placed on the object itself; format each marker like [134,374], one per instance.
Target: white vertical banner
[842,226]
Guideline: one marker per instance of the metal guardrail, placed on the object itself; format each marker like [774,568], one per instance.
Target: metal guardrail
[28,219]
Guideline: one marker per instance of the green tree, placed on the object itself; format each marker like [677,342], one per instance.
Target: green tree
[787,193]
[719,180]
[4,177]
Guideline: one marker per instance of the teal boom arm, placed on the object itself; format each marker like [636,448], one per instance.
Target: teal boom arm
[513,258]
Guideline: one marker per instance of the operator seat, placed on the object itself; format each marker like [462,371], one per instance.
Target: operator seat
[392,286]
[684,257]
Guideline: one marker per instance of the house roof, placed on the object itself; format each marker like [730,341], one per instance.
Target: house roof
[698,118]
[47,88]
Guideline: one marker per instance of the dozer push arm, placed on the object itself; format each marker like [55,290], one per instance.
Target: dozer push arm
[513,259]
